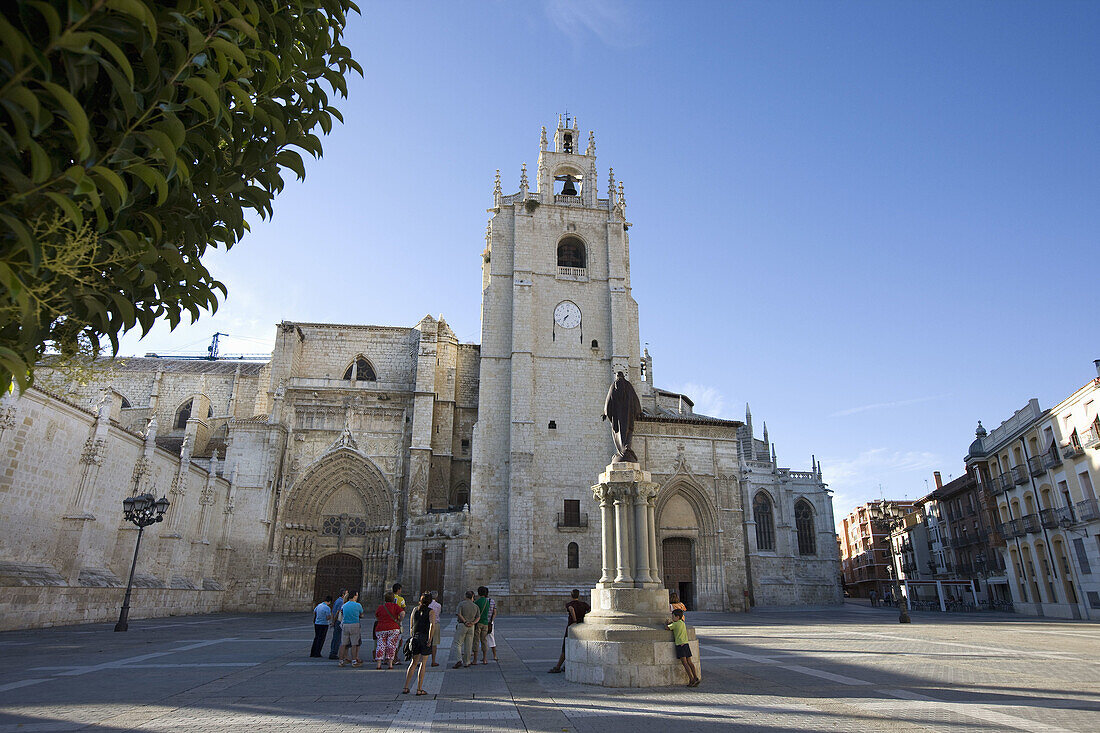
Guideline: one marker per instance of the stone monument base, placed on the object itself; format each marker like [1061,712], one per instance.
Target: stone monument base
[623,641]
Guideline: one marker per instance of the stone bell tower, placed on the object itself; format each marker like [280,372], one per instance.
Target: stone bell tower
[557,322]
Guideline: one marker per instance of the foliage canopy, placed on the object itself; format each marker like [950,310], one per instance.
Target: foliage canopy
[136,134]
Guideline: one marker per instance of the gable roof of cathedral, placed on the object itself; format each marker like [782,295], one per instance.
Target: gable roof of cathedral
[188,366]
[671,416]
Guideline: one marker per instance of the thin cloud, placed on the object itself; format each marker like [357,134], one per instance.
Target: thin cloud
[613,22]
[875,472]
[707,400]
[885,405]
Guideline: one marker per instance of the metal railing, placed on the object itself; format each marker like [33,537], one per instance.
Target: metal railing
[568,519]
[1048,518]
[1090,438]
[1005,480]
[1031,523]
[1072,450]
[993,487]
[1013,528]
[1087,510]
[1019,473]
[1051,459]
[1035,466]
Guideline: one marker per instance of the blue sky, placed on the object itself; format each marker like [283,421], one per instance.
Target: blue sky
[876,222]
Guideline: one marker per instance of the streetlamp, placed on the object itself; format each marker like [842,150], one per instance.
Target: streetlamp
[142,510]
[887,525]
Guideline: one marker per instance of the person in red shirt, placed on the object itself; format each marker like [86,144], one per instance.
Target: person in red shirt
[576,608]
[387,631]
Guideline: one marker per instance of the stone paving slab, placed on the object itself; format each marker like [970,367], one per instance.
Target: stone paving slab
[851,668]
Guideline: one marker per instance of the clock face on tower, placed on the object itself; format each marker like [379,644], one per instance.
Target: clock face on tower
[567,314]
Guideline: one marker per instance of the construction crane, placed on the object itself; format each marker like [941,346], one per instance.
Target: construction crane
[211,353]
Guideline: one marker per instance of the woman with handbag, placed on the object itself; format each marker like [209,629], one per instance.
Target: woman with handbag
[387,631]
[420,643]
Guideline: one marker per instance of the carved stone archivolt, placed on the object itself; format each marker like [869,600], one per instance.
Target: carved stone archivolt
[336,469]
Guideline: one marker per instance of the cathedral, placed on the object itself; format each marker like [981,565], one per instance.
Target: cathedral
[361,455]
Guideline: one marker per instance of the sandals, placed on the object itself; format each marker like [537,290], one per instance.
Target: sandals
[406,691]
[421,692]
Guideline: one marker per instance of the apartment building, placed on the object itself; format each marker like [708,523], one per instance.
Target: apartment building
[865,547]
[1040,468]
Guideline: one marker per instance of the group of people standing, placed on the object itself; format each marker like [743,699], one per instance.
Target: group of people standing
[473,631]
[344,615]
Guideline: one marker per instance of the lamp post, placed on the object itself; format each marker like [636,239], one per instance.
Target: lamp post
[887,525]
[142,510]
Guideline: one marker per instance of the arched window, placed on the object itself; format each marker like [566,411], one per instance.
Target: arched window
[765,522]
[460,497]
[183,415]
[574,554]
[804,523]
[360,371]
[571,253]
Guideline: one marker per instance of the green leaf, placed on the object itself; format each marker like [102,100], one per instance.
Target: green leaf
[292,160]
[155,182]
[116,53]
[244,27]
[136,9]
[163,144]
[67,205]
[206,92]
[41,165]
[229,50]
[77,119]
[113,179]
[25,238]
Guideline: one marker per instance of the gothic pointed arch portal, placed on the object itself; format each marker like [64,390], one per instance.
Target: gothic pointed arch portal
[690,558]
[342,506]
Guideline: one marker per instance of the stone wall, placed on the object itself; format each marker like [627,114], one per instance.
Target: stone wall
[64,471]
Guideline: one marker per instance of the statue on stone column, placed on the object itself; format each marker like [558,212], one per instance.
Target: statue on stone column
[622,407]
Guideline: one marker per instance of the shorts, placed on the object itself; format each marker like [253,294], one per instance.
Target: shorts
[351,634]
[683,651]
[435,635]
[421,645]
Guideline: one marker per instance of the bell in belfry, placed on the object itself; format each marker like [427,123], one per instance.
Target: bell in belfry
[569,189]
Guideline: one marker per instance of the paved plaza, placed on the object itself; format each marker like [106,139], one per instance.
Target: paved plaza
[853,668]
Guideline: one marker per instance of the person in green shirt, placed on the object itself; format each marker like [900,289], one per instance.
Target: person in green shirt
[683,650]
[487,610]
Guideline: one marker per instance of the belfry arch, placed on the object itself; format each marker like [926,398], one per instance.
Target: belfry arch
[341,505]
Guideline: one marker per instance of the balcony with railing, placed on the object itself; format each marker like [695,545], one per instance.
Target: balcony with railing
[1048,518]
[572,273]
[1031,523]
[1035,466]
[1090,438]
[993,486]
[1013,528]
[571,520]
[566,200]
[1051,459]
[1072,450]
[1005,481]
[1087,510]
[1019,474]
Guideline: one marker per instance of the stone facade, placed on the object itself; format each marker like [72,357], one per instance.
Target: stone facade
[360,455]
